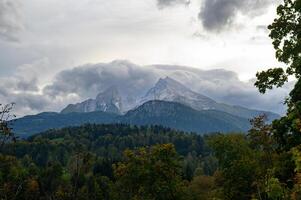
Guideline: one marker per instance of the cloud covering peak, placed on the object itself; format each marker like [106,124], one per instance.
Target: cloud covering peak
[133,81]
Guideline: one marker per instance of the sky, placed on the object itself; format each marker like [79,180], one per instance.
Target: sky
[50,50]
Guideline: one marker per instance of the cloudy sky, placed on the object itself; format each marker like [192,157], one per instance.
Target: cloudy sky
[55,52]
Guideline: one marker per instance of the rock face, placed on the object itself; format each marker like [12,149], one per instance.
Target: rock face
[108,101]
[168,89]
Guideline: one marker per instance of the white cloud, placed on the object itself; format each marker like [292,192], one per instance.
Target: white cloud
[133,81]
[61,34]
[10,22]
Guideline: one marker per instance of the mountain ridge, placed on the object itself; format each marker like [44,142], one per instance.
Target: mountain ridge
[169,114]
[165,89]
[168,89]
[108,101]
[168,103]
[182,117]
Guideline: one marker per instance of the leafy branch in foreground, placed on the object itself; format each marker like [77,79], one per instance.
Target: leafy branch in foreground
[285,32]
[285,133]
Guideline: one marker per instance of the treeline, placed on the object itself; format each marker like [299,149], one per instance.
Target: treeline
[105,162]
[130,162]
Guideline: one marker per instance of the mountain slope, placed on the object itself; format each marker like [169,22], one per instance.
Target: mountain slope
[168,114]
[108,101]
[166,89]
[178,116]
[33,124]
[170,90]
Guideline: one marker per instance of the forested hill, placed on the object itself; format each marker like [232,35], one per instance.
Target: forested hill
[80,162]
[109,141]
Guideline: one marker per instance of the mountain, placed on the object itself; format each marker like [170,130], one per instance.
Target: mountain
[32,124]
[168,89]
[168,114]
[109,101]
[181,117]
[168,103]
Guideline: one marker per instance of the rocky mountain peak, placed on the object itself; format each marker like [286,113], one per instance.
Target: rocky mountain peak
[171,84]
[168,89]
[107,101]
[110,93]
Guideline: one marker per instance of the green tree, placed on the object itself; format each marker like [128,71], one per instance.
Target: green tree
[80,167]
[201,187]
[150,173]
[285,32]
[271,162]
[50,179]
[237,166]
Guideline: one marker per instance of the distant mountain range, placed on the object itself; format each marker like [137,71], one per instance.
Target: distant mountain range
[168,103]
[166,89]
[168,114]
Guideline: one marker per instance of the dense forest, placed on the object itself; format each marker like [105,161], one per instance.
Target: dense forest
[88,162]
[156,163]
[148,162]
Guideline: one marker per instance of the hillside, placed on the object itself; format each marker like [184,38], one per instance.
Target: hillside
[33,124]
[168,114]
[178,116]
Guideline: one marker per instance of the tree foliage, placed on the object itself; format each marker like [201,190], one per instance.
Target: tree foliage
[285,32]
[6,133]
[103,162]
[150,173]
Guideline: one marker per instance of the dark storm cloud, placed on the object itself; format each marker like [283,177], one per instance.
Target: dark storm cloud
[166,3]
[10,23]
[90,79]
[26,103]
[24,91]
[87,81]
[36,102]
[217,15]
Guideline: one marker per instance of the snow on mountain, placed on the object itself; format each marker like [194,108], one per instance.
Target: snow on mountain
[168,89]
[107,101]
